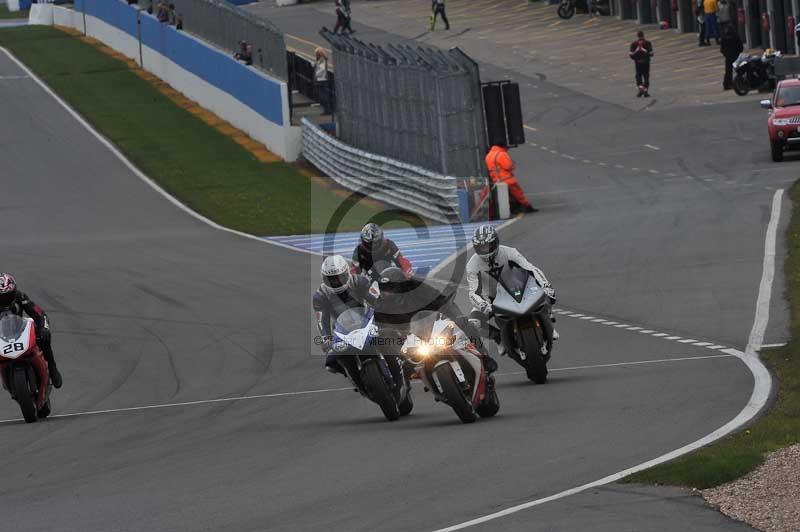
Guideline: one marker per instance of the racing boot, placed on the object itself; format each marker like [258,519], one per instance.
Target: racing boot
[489,363]
[55,375]
[332,365]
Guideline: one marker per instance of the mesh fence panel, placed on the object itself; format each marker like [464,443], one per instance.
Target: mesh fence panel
[224,25]
[418,105]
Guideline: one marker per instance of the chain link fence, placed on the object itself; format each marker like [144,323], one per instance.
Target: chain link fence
[224,25]
[418,105]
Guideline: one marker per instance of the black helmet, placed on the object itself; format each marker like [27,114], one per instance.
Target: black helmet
[8,290]
[393,280]
[372,236]
[486,242]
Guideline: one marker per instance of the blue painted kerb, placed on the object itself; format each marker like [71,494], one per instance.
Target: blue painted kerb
[222,71]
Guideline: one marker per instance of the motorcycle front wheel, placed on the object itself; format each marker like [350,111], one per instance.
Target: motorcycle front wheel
[536,368]
[456,398]
[379,391]
[741,86]
[24,395]
[566,10]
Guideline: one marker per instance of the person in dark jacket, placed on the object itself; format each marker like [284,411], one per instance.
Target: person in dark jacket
[437,8]
[373,247]
[641,50]
[730,47]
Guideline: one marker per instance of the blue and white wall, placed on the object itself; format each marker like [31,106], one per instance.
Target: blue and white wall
[247,98]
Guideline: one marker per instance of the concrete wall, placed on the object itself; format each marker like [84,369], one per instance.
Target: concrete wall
[241,95]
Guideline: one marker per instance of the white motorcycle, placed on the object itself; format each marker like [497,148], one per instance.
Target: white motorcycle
[450,366]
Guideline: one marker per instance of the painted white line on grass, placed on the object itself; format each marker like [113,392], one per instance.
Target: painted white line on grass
[762,384]
[190,403]
[767,276]
[769,346]
[138,173]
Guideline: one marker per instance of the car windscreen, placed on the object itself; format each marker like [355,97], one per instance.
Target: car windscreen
[11,326]
[351,319]
[787,97]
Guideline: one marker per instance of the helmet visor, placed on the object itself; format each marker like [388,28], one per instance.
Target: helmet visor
[486,249]
[337,281]
[6,299]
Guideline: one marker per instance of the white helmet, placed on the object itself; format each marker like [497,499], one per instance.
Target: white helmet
[335,273]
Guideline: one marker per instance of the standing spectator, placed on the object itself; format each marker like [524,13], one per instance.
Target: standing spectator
[150,7]
[731,47]
[322,81]
[437,8]
[163,12]
[171,11]
[245,53]
[701,22]
[712,25]
[726,12]
[342,18]
[179,21]
[501,169]
[641,50]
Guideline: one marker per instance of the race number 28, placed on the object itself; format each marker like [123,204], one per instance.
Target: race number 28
[10,348]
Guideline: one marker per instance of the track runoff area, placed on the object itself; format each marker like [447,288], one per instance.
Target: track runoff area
[425,247]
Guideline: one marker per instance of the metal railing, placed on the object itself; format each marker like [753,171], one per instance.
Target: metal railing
[402,185]
[418,105]
[224,25]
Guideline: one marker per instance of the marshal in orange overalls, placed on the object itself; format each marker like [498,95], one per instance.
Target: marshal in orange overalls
[501,169]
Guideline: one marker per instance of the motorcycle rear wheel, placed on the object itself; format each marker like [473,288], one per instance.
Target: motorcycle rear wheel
[454,393]
[536,368]
[566,10]
[24,396]
[740,86]
[372,376]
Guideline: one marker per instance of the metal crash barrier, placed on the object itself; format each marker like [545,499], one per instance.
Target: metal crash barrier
[399,184]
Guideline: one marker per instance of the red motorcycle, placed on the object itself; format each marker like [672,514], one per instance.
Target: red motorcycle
[23,367]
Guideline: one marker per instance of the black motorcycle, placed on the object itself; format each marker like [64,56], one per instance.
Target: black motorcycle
[567,8]
[524,310]
[754,72]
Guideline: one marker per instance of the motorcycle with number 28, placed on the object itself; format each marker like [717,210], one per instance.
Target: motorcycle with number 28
[23,367]
[450,366]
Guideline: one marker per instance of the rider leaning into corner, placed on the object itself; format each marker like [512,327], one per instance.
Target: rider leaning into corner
[401,298]
[14,300]
[483,269]
[374,247]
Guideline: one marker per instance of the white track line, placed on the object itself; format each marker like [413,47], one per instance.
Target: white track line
[190,403]
[758,398]
[138,173]
[327,390]
[618,364]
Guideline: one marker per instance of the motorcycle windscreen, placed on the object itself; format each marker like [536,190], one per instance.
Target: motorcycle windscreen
[11,326]
[518,293]
[352,320]
[422,324]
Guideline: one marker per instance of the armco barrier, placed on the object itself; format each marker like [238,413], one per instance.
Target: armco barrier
[400,184]
[247,98]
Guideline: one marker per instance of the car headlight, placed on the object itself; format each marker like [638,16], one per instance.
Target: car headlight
[782,121]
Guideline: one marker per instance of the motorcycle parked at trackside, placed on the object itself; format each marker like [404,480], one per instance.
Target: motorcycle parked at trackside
[354,336]
[23,367]
[450,366]
[524,308]
[567,8]
[754,72]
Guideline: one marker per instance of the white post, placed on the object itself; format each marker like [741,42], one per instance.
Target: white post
[503,205]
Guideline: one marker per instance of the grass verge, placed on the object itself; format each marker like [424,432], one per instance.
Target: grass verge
[740,453]
[204,168]
[6,14]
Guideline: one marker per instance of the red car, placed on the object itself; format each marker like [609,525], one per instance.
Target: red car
[784,117]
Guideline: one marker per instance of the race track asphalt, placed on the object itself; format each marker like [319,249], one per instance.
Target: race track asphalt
[152,307]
